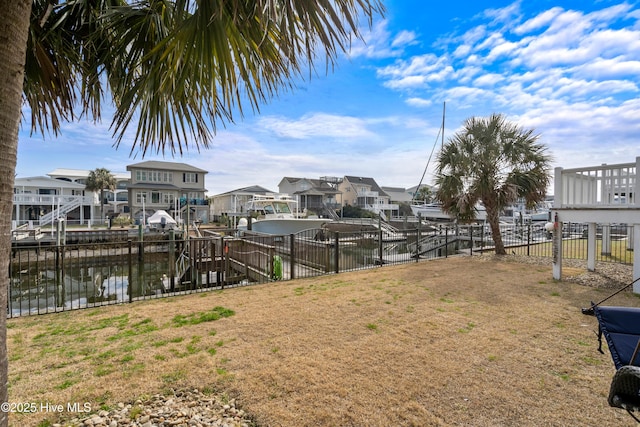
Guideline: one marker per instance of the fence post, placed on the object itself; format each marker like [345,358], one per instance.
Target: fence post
[172,261]
[130,244]
[529,239]
[446,242]
[380,246]
[227,267]
[59,279]
[336,253]
[418,237]
[194,249]
[292,257]
[470,228]
[141,273]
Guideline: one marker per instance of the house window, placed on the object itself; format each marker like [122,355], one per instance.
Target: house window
[168,198]
[140,196]
[189,177]
[155,197]
[154,176]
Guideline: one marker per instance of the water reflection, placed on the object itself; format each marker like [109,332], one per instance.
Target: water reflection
[45,290]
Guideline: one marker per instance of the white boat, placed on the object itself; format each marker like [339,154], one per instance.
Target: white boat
[161,220]
[434,212]
[278,214]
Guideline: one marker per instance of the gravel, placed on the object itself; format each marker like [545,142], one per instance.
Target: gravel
[607,275]
[184,408]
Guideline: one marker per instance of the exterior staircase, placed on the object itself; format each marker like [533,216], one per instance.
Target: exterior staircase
[68,205]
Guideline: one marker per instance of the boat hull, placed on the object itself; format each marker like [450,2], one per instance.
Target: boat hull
[284,226]
[433,212]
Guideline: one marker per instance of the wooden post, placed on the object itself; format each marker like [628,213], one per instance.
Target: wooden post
[606,239]
[557,248]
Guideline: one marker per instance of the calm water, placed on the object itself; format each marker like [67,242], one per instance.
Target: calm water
[41,290]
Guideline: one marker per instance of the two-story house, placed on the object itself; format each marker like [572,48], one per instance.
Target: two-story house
[176,188]
[233,204]
[365,193]
[41,200]
[319,196]
[401,197]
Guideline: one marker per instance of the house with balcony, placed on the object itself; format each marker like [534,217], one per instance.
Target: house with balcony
[365,193]
[233,204]
[600,196]
[176,188]
[401,197]
[115,202]
[315,196]
[42,200]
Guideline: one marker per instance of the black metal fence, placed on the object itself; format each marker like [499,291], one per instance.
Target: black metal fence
[46,279]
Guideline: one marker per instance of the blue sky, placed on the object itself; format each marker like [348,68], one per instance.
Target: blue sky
[570,70]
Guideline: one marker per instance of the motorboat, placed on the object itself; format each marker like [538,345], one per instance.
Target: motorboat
[161,221]
[434,212]
[278,214]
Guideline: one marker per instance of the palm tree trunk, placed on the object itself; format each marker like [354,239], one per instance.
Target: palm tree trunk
[493,216]
[14,27]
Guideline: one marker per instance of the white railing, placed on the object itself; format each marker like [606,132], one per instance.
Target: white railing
[60,204]
[605,186]
[49,200]
[62,209]
[382,207]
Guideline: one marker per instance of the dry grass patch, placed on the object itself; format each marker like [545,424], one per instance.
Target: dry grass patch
[461,341]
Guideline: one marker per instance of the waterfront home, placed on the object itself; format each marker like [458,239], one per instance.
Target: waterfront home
[40,200]
[314,196]
[176,188]
[116,202]
[365,193]
[234,204]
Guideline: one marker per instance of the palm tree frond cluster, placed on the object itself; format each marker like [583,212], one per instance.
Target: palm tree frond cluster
[176,69]
[493,162]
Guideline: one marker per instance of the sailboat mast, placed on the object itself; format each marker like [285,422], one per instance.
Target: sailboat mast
[444,108]
[432,149]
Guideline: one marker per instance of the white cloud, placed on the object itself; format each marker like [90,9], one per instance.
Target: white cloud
[380,43]
[404,38]
[504,15]
[461,51]
[418,102]
[488,80]
[317,124]
[539,21]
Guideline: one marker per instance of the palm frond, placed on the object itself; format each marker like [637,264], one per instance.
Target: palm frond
[176,69]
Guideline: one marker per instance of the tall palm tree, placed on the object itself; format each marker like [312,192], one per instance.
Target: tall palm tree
[99,180]
[493,162]
[174,69]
